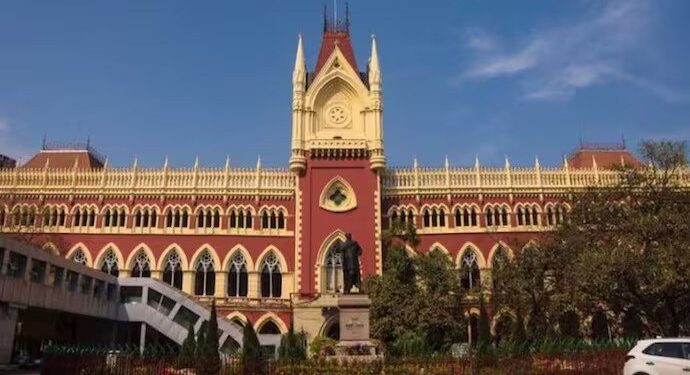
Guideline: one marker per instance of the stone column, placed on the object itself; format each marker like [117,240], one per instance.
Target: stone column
[253,285]
[221,284]
[8,327]
[188,282]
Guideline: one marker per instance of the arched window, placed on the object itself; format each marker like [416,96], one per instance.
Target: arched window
[2,216]
[205,277]
[237,276]
[109,264]
[520,216]
[172,270]
[469,270]
[142,265]
[466,217]
[271,278]
[489,216]
[177,218]
[333,269]
[269,328]
[79,257]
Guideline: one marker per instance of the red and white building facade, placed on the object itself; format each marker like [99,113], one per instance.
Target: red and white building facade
[260,241]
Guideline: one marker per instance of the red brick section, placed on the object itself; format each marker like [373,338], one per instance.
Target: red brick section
[63,160]
[330,40]
[606,159]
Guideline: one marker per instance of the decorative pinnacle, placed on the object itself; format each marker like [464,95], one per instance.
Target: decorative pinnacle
[536,162]
[196,162]
[227,162]
[476,161]
[165,162]
[507,162]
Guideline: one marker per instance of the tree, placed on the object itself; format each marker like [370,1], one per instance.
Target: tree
[208,356]
[185,358]
[623,246]
[251,349]
[518,335]
[484,332]
[417,299]
[292,346]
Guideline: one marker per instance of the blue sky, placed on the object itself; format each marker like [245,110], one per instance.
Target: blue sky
[461,78]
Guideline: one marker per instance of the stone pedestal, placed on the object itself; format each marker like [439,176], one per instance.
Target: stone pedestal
[354,325]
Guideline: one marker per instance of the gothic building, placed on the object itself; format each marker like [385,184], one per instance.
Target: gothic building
[261,241]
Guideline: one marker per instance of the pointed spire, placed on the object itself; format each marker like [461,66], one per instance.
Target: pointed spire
[476,161]
[622,162]
[446,163]
[105,163]
[47,164]
[507,162]
[165,162]
[300,65]
[258,162]
[76,163]
[536,162]
[594,162]
[374,67]
[415,164]
[196,162]
[227,162]
[136,163]
[565,162]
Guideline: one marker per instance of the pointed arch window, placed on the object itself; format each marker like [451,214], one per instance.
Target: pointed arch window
[333,269]
[172,270]
[110,264]
[269,328]
[469,270]
[79,256]
[238,276]
[205,276]
[271,278]
[142,265]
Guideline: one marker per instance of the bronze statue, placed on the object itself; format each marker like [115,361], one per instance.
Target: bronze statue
[351,251]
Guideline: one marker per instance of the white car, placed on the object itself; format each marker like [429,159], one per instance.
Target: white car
[659,357]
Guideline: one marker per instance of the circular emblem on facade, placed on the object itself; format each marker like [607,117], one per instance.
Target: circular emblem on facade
[338,115]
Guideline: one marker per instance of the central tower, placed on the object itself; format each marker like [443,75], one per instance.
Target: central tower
[337,158]
[336,108]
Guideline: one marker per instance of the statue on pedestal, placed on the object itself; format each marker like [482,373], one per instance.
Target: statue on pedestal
[351,252]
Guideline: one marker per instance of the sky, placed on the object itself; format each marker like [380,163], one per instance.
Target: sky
[461,79]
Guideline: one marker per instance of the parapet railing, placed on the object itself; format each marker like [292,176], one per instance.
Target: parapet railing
[420,181]
[146,181]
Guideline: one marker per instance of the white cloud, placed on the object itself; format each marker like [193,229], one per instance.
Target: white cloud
[556,62]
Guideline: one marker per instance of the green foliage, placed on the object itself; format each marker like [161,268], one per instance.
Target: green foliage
[292,346]
[322,346]
[484,331]
[207,353]
[185,358]
[415,297]
[518,335]
[409,345]
[622,246]
[251,349]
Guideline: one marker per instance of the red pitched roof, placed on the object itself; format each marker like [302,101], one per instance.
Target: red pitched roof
[332,38]
[605,158]
[62,159]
